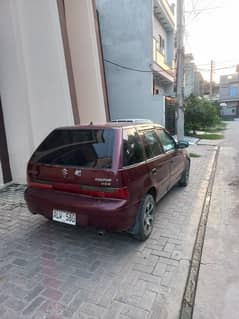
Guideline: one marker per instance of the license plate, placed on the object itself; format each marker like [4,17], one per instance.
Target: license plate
[64,217]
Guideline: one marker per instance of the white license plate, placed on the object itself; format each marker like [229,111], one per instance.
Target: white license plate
[64,217]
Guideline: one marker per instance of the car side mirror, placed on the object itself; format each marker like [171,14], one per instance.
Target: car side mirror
[182,144]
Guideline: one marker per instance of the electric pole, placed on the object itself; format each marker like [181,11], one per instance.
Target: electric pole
[180,71]
[211,79]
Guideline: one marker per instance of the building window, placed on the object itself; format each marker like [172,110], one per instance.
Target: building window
[154,49]
[233,91]
[158,48]
[161,45]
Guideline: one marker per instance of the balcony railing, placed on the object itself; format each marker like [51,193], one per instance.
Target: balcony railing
[163,12]
[168,9]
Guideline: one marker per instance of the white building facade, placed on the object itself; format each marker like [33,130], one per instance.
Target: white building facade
[50,75]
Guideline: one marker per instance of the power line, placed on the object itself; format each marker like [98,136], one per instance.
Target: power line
[137,69]
[201,10]
[227,67]
[196,11]
[127,67]
[158,73]
[150,71]
[194,6]
[217,69]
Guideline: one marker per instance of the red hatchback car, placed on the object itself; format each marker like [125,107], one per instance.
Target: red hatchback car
[108,176]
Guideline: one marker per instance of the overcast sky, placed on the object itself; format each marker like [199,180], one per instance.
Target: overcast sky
[212,34]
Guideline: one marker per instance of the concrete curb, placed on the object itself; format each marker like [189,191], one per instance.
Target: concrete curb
[5,185]
[191,287]
[174,301]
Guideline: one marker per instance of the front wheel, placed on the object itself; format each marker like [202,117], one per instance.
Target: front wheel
[145,218]
[185,176]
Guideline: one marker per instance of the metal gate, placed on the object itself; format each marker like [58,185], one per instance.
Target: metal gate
[170,117]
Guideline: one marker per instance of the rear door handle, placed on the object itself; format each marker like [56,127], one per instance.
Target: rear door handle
[154,171]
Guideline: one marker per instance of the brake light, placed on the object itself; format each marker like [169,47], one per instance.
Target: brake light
[33,171]
[40,185]
[94,191]
[105,192]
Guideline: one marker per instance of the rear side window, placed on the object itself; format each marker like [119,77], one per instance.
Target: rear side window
[152,144]
[91,148]
[166,140]
[132,148]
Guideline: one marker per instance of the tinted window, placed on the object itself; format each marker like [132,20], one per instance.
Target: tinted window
[151,144]
[132,149]
[73,147]
[167,141]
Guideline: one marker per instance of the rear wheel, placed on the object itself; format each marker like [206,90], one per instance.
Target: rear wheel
[185,176]
[145,218]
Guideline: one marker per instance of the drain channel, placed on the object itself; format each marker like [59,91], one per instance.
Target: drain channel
[191,286]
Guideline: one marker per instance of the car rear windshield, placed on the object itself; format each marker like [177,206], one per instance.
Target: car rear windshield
[91,148]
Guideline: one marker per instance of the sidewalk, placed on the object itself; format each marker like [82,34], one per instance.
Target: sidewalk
[218,284]
[50,270]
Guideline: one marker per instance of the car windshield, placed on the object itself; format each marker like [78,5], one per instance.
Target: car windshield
[91,148]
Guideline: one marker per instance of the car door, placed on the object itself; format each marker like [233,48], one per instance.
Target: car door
[174,156]
[134,171]
[158,164]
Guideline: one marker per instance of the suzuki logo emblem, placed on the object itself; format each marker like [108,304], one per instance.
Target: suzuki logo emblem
[78,172]
[64,172]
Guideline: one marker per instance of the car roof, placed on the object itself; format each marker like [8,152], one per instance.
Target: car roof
[136,121]
[112,125]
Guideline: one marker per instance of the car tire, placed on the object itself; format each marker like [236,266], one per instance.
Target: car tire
[185,176]
[145,218]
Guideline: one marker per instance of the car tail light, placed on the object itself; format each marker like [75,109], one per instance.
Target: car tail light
[94,191]
[105,192]
[33,171]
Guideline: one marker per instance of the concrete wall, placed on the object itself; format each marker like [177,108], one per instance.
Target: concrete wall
[33,81]
[158,109]
[127,36]
[85,60]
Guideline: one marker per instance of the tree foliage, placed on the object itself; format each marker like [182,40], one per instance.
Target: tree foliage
[200,114]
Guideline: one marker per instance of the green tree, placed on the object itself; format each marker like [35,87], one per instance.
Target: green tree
[200,114]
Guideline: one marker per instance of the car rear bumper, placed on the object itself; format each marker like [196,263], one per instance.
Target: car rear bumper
[108,214]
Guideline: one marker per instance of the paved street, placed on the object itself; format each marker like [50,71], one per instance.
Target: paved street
[50,270]
[218,293]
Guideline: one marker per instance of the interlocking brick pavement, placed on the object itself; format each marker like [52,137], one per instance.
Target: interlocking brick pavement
[50,270]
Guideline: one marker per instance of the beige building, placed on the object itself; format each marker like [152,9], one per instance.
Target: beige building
[51,74]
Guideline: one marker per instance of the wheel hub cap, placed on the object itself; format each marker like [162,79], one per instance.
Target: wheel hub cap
[148,217]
